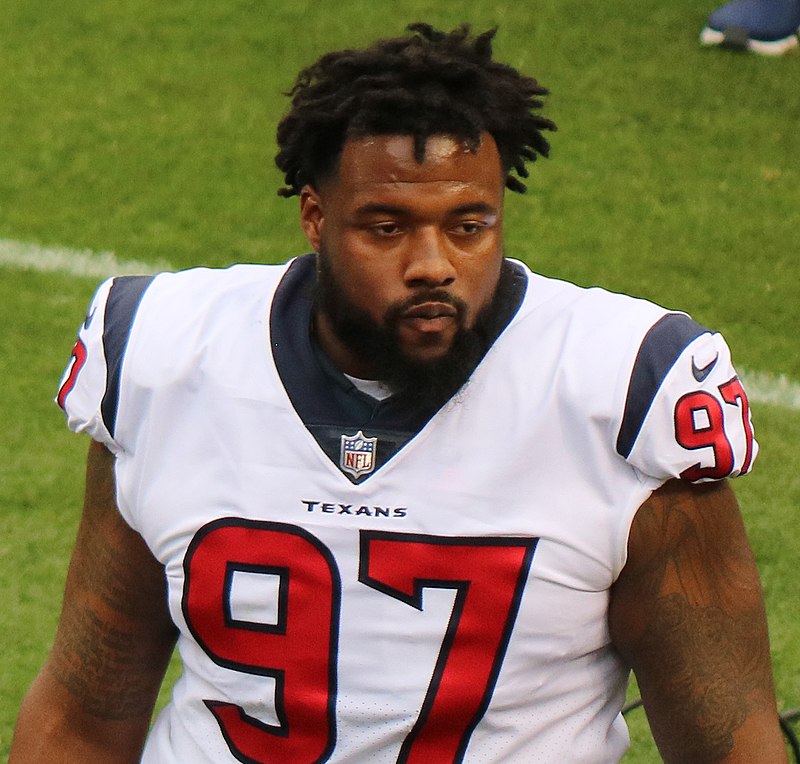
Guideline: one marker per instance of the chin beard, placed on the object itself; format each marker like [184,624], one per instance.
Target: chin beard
[424,381]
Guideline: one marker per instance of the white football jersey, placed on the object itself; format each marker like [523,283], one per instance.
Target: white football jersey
[393,586]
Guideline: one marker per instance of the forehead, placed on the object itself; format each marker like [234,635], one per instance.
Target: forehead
[370,163]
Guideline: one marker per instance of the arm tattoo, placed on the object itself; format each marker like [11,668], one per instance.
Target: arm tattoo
[115,635]
[704,645]
[713,666]
[87,653]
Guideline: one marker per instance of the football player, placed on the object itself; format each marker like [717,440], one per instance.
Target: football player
[403,499]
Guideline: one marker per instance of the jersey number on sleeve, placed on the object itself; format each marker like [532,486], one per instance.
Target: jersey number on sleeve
[78,359]
[298,649]
[700,423]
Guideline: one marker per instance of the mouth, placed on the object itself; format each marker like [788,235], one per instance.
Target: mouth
[430,317]
[431,310]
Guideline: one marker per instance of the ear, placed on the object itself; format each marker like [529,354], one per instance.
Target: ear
[311,216]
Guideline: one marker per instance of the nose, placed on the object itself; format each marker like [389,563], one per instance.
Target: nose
[428,262]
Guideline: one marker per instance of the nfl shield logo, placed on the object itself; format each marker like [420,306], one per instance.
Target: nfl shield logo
[357,455]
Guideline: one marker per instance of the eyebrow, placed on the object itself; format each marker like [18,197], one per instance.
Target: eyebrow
[479,208]
[380,209]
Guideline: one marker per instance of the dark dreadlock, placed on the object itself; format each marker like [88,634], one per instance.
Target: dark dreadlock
[427,83]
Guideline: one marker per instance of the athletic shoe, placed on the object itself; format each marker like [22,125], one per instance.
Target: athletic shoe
[769,27]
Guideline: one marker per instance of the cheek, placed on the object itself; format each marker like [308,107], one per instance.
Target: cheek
[481,283]
[361,282]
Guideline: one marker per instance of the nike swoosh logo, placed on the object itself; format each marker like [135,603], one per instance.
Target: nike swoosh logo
[88,320]
[701,373]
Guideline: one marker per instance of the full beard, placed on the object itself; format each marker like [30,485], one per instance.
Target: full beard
[431,381]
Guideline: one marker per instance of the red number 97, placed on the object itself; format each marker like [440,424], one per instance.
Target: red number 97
[298,647]
[700,423]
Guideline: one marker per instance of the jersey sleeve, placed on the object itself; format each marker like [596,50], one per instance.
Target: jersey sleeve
[89,388]
[686,413]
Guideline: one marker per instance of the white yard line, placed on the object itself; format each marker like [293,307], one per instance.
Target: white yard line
[72,262]
[762,387]
[772,389]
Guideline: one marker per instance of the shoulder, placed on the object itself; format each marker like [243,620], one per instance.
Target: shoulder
[660,386]
[151,323]
[188,320]
[611,333]
[198,288]
[174,303]
[586,314]
[590,336]
[123,298]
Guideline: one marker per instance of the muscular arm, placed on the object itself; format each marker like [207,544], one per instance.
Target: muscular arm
[687,614]
[94,697]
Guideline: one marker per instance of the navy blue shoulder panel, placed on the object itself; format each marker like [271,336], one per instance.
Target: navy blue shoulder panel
[660,348]
[123,300]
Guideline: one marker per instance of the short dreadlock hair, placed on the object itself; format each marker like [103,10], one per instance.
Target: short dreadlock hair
[423,84]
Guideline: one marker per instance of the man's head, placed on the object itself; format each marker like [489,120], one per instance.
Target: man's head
[400,154]
[423,84]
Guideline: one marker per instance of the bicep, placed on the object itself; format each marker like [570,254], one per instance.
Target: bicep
[115,620]
[115,635]
[687,614]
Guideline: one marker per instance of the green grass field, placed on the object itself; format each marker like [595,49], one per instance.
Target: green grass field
[146,129]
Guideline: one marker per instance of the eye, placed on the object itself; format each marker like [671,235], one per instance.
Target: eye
[389,228]
[469,227]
